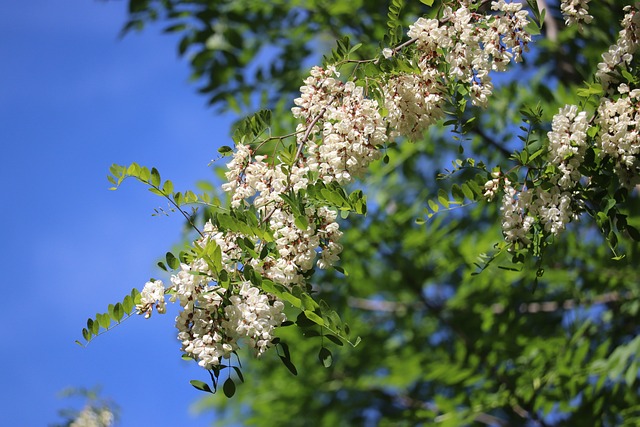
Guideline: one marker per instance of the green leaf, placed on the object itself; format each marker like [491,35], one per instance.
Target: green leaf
[457,193]
[127,304]
[309,303]
[202,386]
[591,89]
[633,232]
[341,270]
[290,366]
[302,222]
[532,28]
[632,373]
[93,327]
[225,150]
[118,312]
[314,317]
[334,339]
[467,191]
[229,388]
[167,188]
[443,198]
[303,321]
[325,357]
[135,295]
[155,177]
[294,301]
[172,261]
[104,320]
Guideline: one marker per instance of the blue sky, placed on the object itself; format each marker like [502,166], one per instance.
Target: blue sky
[73,100]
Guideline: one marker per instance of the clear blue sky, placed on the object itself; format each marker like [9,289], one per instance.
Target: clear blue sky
[73,100]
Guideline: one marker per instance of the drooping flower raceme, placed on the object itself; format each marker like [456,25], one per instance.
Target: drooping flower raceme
[93,417]
[152,295]
[554,208]
[350,125]
[575,12]
[340,132]
[621,53]
[473,46]
[516,220]
[254,315]
[619,135]
[415,102]
[567,145]
[214,318]
[556,203]
[551,208]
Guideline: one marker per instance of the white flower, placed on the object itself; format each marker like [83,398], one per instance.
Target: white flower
[619,136]
[575,11]
[414,102]
[491,187]
[253,315]
[152,294]
[567,144]
[516,221]
[93,417]
[621,52]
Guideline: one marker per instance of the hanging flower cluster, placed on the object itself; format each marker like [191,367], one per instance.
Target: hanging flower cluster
[575,12]
[282,220]
[621,53]
[340,132]
[619,136]
[557,197]
[473,44]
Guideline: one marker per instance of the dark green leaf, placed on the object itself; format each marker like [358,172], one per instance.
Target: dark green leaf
[325,357]
[229,388]
[202,386]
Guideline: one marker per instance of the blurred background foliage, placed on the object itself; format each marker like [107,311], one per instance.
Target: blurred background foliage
[441,345]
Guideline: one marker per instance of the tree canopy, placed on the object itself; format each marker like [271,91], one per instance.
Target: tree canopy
[467,311]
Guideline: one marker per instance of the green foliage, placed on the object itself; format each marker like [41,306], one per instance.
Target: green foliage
[222,39]
[457,327]
[102,322]
[395,30]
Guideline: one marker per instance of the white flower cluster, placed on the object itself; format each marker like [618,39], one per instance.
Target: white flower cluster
[341,130]
[553,208]
[297,249]
[351,126]
[236,176]
[492,186]
[619,135]
[414,102]
[213,318]
[575,12]
[567,145]
[152,295]
[93,417]
[253,315]
[621,52]
[555,204]
[473,46]
[340,133]
[516,221]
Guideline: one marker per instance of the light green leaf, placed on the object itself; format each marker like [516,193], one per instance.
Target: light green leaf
[314,317]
